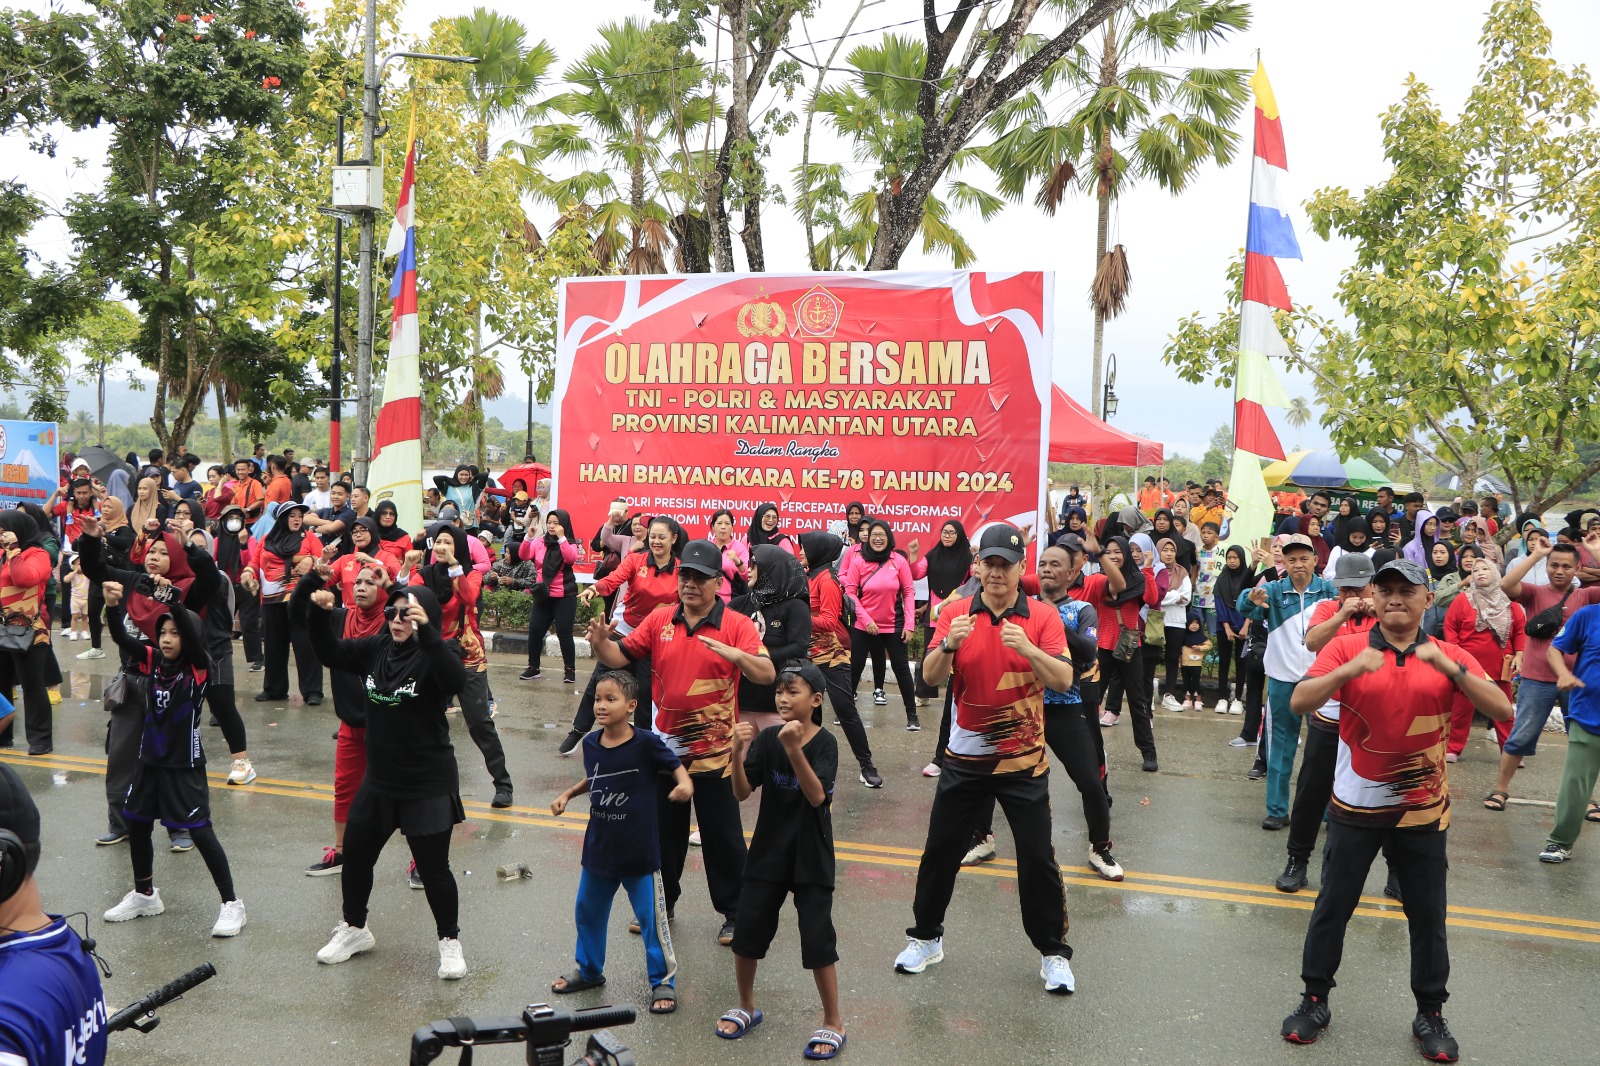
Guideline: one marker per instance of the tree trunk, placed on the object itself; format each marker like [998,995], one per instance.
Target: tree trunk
[755,259]
[158,413]
[693,243]
[717,187]
[222,424]
[1413,459]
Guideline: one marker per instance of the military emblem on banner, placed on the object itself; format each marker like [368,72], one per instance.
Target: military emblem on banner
[819,312]
[761,317]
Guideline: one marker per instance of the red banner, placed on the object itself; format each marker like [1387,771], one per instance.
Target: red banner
[925,396]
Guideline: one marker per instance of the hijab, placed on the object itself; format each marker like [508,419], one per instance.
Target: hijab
[22,526]
[821,549]
[144,510]
[757,535]
[1134,589]
[229,552]
[112,514]
[949,567]
[1081,515]
[866,545]
[118,488]
[1490,601]
[281,540]
[1419,549]
[147,613]
[1132,520]
[1440,571]
[1353,524]
[1232,583]
[1146,544]
[553,560]
[399,664]
[779,577]
[394,532]
[1485,541]
[1376,535]
[1341,521]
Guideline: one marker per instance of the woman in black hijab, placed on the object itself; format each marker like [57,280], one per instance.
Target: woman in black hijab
[411,674]
[1119,615]
[764,532]
[1233,628]
[389,522]
[779,602]
[949,563]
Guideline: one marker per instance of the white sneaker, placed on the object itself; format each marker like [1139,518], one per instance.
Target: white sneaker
[71,634]
[919,955]
[452,964]
[1105,864]
[983,851]
[1057,974]
[231,920]
[694,839]
[932,770]
[1556,723]
[242,773]
[347,941]
[1171,703]
[136,905]
[1236,707]
[92,653]
[880,698]
[1221,707]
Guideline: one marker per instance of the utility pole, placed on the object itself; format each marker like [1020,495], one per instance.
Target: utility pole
[364,310]
[335,413]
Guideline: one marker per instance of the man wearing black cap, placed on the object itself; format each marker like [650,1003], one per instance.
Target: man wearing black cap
[1395,686]
[1352,612]
[51,1006]
[697,651]
[1001,651]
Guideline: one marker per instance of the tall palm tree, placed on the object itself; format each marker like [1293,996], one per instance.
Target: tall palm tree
[1132,115]
[502,85]
[1298,416]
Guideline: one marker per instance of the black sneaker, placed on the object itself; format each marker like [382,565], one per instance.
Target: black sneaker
[530,674]
[1293,878]
[879,698]
[1258,771]
[413,878]
[267,697]
[1432,1033]
[870,776]
[1274,822]
[1308,1021]
[913,724]
[502,798]
[314,700]
[257,666]
[111,836]
[331,863]
[1150,765]
[573,739]
[182,844]
[569,676]
[725,934]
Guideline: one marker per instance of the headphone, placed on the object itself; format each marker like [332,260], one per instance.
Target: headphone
[13,864]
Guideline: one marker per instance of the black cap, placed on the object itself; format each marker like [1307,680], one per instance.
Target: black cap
[1002,539]
[805,670]
[1408,571]
[702,557]
[17,811]
[1071,542]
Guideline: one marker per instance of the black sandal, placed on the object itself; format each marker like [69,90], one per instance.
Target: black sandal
[663,992]
[1495,801]
[575,983]
[1593,813]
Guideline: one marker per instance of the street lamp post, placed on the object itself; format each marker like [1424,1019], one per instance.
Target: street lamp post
[527,448]
[1108,402]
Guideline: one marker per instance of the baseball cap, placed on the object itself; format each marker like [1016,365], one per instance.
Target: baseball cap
[17,810]
[1298,540]
[702,557]
[1408,571]
[1353,571]
[805,670]
[1071,542]
[1001,539]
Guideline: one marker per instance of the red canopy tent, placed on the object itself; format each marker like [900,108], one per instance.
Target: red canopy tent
[1076,436]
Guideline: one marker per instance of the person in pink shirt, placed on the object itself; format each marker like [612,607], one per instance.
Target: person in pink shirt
[735,554]
[555,597]
[880,582]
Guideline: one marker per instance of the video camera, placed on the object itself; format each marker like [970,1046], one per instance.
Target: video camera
[545,1029]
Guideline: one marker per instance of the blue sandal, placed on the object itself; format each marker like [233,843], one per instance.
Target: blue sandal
[834,1041]
[744,1021]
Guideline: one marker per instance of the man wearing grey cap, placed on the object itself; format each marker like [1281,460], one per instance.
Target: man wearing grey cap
[50,997]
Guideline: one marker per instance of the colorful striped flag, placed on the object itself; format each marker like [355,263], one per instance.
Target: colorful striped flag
[1269,237]
[396,472]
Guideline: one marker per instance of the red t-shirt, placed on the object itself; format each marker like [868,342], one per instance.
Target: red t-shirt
[1114,619]
[1392,729]
[999,700]
[830,642]
[648,586]
[695,690]
[1536,598]
[1327,716]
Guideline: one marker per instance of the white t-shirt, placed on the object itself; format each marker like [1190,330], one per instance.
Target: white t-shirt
[318,499]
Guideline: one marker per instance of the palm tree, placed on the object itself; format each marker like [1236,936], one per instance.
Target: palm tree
[1133,116]
[1298,416]
[501,85]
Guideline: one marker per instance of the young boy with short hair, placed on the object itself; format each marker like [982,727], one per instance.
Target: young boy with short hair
[791,851]
[621,848]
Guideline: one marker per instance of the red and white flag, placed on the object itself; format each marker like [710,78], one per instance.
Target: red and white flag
[396,470]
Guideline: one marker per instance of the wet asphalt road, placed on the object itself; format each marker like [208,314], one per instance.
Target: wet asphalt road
[1194,959]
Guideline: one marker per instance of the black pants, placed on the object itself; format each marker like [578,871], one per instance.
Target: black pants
[97,613]
[1191,679]
[1228,664]
[141,848]
[123,730]
[1318,755]
[31,671]
[559,612]
[1173,653]
[1255,686]
[863,643]
[643,674]
[281,635]
[1026,802]
[364,842]
[844,708]
[722,846]
[249,623]
[946,716]
[1069,730]
[220,699]
[1129,677]
[1418,861]
[761,905]
[474,700]
[924,692]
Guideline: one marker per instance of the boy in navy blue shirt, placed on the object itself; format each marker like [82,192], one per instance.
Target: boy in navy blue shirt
[791,852]
[621,847]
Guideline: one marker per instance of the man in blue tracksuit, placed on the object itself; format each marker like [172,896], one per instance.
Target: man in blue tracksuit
[1285,607]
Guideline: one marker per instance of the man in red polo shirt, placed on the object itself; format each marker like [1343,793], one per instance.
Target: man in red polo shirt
[697,650]
[1001,651]
[1395,688]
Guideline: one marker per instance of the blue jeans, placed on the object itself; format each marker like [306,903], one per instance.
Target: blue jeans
[1535,700]
[1283,740]
[593,912]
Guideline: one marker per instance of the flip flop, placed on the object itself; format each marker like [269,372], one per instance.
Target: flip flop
[576,983]
[1495,801]
[737,1016]
[666,992]
[1593,813]
[835,1042]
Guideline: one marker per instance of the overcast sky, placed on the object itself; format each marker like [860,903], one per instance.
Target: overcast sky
[1335,68]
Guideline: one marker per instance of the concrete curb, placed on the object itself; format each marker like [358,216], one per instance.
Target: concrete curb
[517,644]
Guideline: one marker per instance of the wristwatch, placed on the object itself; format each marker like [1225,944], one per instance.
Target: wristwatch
[1461,673]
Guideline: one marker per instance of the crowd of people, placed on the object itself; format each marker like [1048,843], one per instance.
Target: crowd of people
[1389,628]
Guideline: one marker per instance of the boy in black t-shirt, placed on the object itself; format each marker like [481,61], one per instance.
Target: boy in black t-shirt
[791,851]
[621,847]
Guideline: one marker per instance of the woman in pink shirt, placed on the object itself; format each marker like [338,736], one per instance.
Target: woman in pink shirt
[555,598]
[735,555]
[879,580]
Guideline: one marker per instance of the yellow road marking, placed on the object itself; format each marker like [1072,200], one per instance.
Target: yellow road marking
[908,858]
